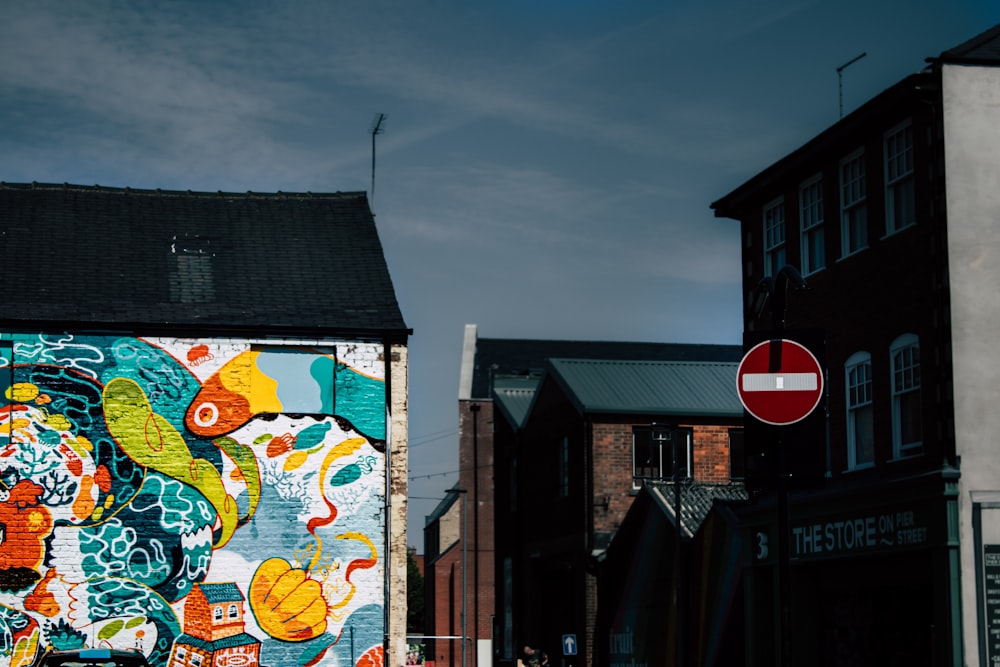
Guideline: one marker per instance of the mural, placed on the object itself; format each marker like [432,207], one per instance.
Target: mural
[202,501]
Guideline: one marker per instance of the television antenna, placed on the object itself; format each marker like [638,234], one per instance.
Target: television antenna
[375,130]
[840,78]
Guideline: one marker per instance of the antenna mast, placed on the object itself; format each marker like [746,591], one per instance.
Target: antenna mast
[840,79]
[376,129]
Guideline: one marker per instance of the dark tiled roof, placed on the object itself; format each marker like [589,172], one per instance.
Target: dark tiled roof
[696,500]
[110,258]
[984,48]
[506,356]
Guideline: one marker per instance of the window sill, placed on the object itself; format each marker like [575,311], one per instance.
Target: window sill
[859,468]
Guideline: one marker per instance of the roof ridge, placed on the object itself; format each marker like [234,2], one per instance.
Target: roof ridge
[35,185]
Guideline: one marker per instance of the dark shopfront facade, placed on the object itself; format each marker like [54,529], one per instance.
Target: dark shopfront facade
[873,577]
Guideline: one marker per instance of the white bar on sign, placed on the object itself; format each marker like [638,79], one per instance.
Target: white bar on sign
[780,381]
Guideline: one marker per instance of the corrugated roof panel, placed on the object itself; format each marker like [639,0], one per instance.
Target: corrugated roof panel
[651,387]
[514,396]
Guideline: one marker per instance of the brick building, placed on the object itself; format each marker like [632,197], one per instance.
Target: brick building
[890,217]
[201,387]
[556,440]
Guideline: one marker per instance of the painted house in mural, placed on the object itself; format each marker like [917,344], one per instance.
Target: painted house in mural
[200,387]
[214,630]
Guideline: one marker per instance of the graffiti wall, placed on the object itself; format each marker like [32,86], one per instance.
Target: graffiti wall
[207,502]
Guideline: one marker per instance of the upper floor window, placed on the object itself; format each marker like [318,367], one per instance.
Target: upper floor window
[860,413]
[737,455]
[853,205]
[217,613]
[900,203]
[774,237]
[654,449]
[564,467]
[811,218]
[906,416]
[233,611]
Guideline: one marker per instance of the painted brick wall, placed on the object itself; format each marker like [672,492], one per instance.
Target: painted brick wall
[134,471]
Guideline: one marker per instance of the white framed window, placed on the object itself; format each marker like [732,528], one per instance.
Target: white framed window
[907,434]
[853,204]
[774,237]
[217,613]
[811,224]
[860,411]
[233,611]
[900,198]
[653,453]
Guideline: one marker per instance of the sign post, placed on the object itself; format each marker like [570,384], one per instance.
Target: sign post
[780,382]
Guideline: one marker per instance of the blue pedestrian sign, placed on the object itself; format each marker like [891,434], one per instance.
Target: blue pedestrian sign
[569,644]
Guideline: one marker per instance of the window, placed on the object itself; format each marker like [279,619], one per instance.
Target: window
[196,659]
[900,204]
[774,237]
[217,613]
[564,468]
[860,422]
[853,208]
[233,612]
[653,453]
[906,416]
[811,218]
[737,455]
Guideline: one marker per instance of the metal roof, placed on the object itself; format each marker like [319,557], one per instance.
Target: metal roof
[668,388]
[513,395]
[493,357]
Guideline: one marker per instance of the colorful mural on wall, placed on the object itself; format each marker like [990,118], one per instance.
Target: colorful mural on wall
[191,499]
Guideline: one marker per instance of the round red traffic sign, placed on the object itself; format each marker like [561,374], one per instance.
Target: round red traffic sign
[779,382]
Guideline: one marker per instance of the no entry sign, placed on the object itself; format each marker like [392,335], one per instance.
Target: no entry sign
[779,382]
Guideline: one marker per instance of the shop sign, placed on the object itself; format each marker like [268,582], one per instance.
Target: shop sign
[864,532]
[831,536]
[991,576]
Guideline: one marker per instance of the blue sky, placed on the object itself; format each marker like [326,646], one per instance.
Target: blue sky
[546,167]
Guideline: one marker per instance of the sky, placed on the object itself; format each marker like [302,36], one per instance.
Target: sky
[545,168]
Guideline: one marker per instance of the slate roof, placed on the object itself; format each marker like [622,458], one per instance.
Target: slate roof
[697,500]
[668,388]
[122,259]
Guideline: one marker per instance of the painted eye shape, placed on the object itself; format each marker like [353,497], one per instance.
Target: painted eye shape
[206,414]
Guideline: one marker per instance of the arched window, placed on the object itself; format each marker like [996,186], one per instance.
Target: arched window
[217,613]
[907,434]
[860,413]
[233,611]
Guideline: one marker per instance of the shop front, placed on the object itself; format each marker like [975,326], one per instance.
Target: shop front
[872,578]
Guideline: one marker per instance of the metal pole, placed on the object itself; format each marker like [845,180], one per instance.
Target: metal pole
[465,515]
[785,584]
[675,437]
[465,551]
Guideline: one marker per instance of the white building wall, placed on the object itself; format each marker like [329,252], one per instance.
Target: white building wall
[971,118]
